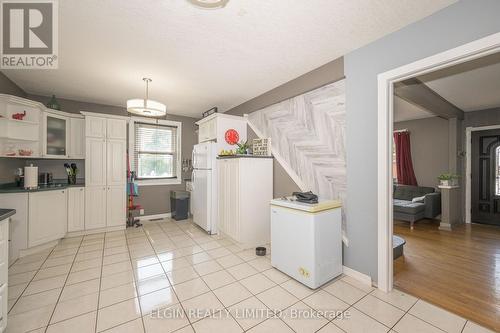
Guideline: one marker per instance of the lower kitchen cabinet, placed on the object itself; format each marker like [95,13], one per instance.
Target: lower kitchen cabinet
[116,202]
[105,206]
[76,209]
[245,192]
[48,214]
[95,207]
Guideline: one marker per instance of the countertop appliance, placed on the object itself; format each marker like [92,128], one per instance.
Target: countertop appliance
[204,186]
[306,240]
[45,178]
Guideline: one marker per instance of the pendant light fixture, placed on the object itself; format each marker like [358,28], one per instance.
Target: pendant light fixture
[209,4]
[146,107]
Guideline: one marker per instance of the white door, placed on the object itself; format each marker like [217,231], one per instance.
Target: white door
[77,138]
[48,214]
[202,191]
[76,209]
[95,127]
[203,155]
[95,207]
[116,162]
[95,162]
[116,202]
[116,129]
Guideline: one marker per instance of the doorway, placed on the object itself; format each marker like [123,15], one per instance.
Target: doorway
[485,177]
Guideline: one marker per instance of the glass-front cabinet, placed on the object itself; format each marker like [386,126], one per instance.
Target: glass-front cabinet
[56,138]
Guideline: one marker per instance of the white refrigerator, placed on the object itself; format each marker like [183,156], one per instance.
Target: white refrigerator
[204,186]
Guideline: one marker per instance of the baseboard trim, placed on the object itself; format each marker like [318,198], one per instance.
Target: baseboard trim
[366,279]
[94,231]
[146,218]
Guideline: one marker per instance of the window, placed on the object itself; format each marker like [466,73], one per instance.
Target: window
[156,151]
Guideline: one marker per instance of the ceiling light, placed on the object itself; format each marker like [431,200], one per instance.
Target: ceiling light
[209,4]
[146,107]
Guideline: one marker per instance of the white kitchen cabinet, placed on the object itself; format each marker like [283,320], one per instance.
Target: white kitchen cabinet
[77,138]
[116,129]
[116,166]
[95,162]
[95,127]
[18,222]
[48,216]
[116,202]
[95,207]
[207,130]
[4,276]
[245,191]
[55,135]
[106,172]
[76,209]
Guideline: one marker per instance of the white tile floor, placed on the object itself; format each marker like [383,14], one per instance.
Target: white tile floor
[117,282]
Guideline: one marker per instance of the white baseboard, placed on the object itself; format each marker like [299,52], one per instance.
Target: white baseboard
[366,279]
[94,231]
[146,218]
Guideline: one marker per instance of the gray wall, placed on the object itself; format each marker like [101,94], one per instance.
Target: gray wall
[429,148]
[328,73]
[9,87]
[482,118]
[455,25]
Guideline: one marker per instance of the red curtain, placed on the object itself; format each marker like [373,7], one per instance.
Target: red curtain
[404,164]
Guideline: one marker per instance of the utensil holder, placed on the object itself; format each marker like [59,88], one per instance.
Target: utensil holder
[72,180]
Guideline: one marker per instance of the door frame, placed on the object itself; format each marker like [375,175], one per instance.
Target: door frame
[473,50]
[468,167]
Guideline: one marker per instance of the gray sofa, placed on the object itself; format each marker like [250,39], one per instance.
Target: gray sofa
[429,206]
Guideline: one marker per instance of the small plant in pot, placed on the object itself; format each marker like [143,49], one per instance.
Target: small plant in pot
[243,148]
[448,179]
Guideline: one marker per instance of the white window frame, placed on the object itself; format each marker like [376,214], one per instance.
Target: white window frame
[131,148]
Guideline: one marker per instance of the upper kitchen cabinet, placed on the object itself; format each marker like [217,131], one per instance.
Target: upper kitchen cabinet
[95,127]
[55,141]
[19,127]
[77,138]
[225,130]
[116,129]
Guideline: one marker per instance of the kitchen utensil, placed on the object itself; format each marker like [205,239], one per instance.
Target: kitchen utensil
[45,178]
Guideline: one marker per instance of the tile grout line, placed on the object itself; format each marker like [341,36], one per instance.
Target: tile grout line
[31,280]
[135,284]
[65,281]
[100,282]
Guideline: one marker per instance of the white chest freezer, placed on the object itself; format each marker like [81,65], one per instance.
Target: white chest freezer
[306,240]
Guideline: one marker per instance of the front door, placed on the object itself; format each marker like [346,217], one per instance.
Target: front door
[485,200]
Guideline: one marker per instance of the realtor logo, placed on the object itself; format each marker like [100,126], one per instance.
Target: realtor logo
[29,34]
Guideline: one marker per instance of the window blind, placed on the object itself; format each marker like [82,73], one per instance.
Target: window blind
[155,152]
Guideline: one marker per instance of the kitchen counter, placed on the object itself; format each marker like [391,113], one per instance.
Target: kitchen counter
[221,157]
[6,213]
[12,188]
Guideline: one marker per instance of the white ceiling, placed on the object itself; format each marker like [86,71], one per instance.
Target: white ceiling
[203,58]
[471,86]
[404,110]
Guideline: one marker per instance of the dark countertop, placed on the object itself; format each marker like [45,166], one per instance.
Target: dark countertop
[6,213]
[242,156]
[12,188]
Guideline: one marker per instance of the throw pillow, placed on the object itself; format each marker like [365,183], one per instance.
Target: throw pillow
[418,199]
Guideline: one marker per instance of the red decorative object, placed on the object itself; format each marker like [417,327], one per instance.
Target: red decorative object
[19,116]
[232,137]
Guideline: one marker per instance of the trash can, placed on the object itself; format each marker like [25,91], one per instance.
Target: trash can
[179,204]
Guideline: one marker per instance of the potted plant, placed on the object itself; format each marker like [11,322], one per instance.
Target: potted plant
[448,179]
[243,148]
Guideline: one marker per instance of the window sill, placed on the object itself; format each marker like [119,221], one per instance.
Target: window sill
[153,182]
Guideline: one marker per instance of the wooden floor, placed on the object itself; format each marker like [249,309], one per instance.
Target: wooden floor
[458,270]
